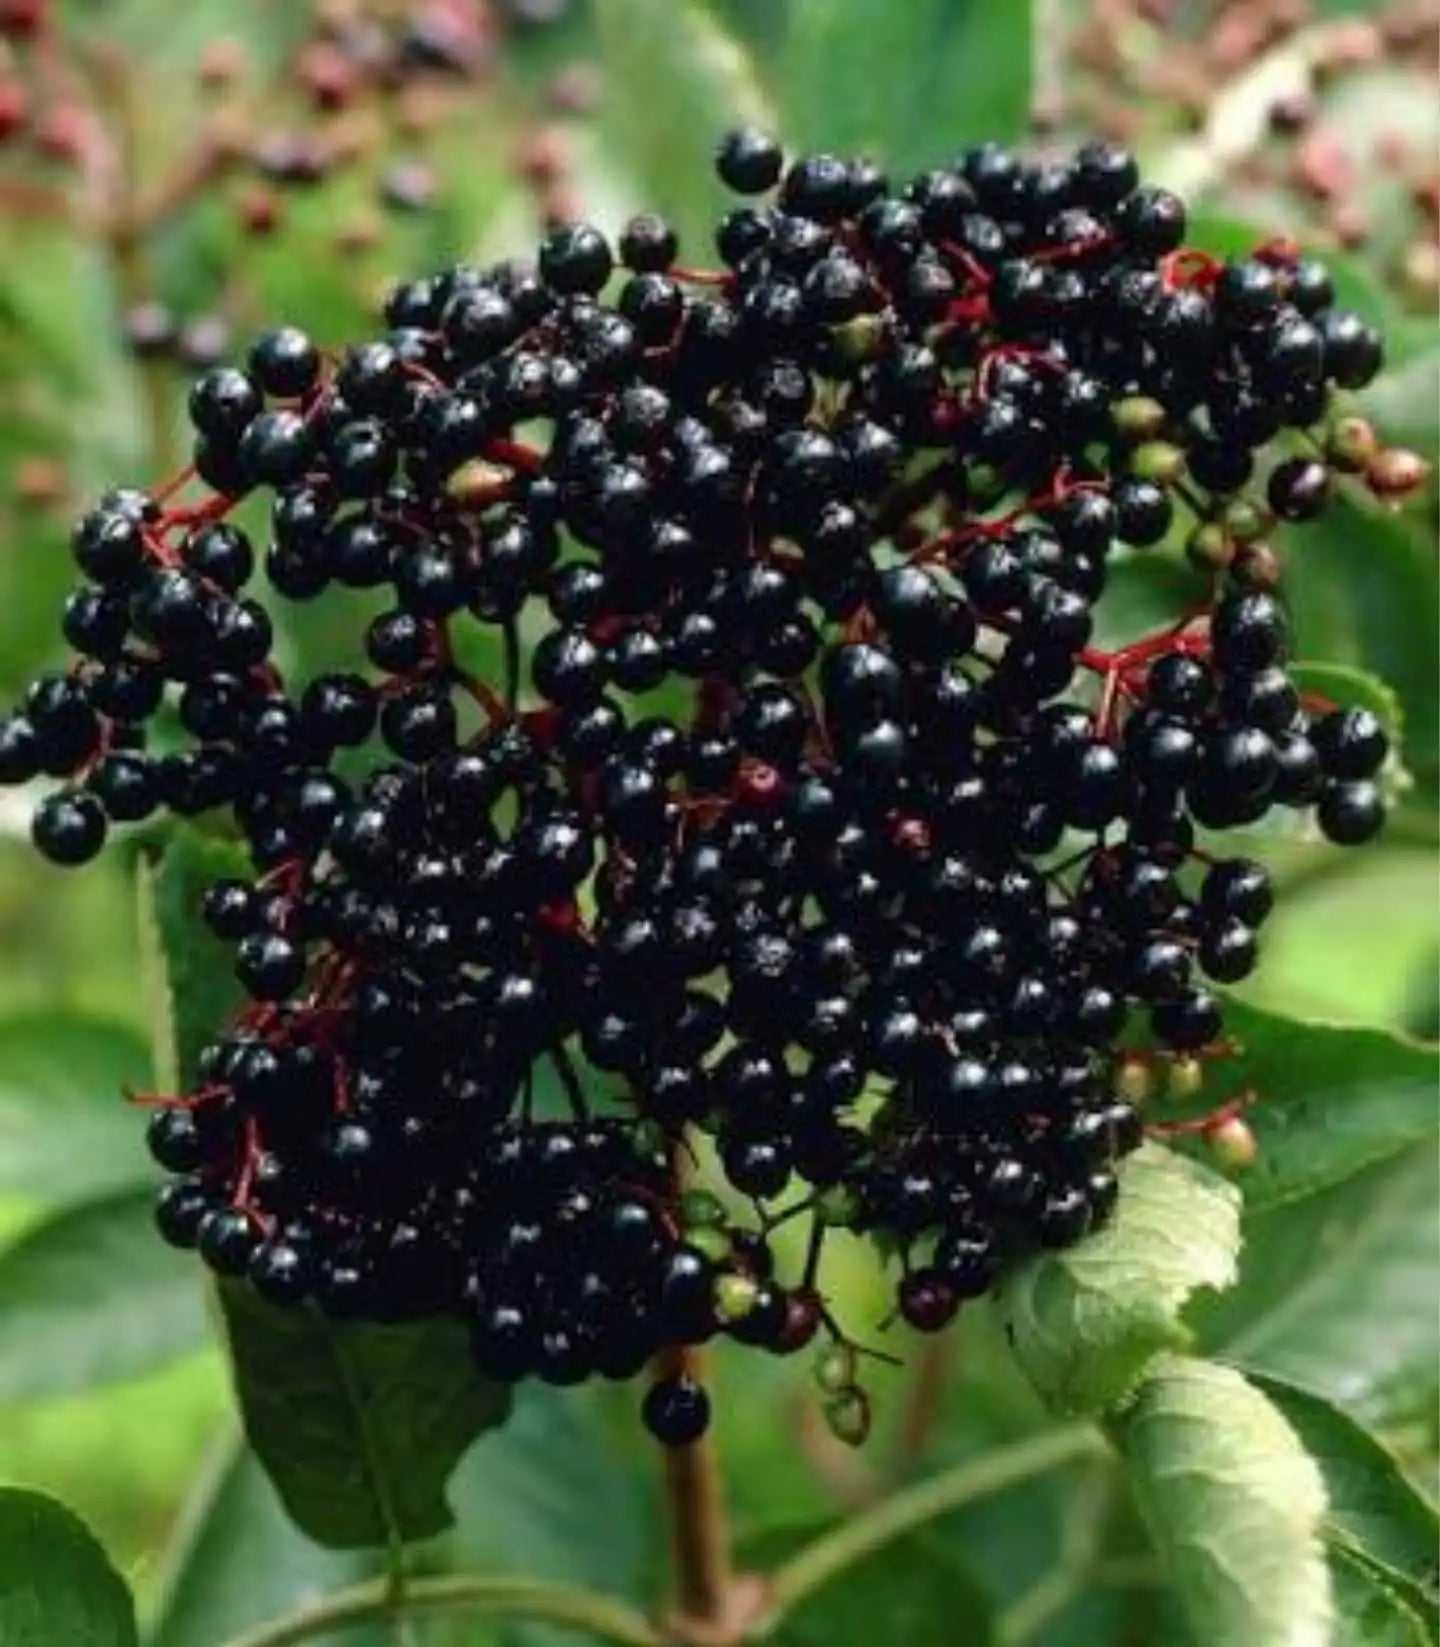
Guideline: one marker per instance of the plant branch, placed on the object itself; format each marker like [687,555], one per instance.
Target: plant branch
[493,1597]
[925,1400]
[695,1513]
[913,1506]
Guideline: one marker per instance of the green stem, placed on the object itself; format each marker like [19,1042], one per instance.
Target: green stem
[1082,1539]
[934,1372]
[521,1598]
[701,1564]
[913,1506]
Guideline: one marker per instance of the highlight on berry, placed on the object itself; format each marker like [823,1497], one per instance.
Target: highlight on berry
[729,827]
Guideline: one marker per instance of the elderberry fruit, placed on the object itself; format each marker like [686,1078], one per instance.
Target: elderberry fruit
[725,748]
[676,1411]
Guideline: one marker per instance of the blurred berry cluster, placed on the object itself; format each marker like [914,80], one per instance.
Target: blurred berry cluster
[728,769]
[356,104]
[1334,113]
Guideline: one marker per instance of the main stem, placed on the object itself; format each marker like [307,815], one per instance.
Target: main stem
[596,1616]
[925,1400]
[695,1506]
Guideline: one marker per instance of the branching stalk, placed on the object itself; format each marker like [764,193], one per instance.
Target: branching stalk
[695,1506]
[912,1507]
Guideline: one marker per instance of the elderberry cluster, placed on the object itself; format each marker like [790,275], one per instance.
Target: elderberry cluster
[727,757]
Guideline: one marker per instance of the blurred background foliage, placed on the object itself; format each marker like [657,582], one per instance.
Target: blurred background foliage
[173,175]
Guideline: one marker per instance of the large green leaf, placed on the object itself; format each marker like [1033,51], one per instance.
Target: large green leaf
[237,1560]
[358,1426]
[674,82]
[1234,1506]
[92,1295]
[916,1589]
[1085,1323]
[65,1130]
[1337,1293]
[550,1495]
[190,976]
[908,83]
[1331,1099]
[57,1587]
[1374,908]
[759,23]
[1371,1504]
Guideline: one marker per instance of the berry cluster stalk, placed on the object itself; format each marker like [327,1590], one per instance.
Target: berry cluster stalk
[695,1510]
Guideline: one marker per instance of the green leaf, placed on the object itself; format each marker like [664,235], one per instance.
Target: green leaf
[675,81]
[1372,1505]
[760,24]
[237,1561]
[65,1130]
[916,1589]
[1375,909]
[1234,1506]
[1337,1293]
[550,1495]
[908,83]
[1143,592]
[1362,586]
[1370,1612]
[358,1426]
[1332,1099]
[1402,400]
[92,1295]
[189,973]
[1086,1323]
[57,1587]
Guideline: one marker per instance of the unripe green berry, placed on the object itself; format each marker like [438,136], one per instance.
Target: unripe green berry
[858,340]
[1352,445]
[1245,521]
[1159,460]
[735,1297]
[1210,548]
[848,1416]
[1134,1080]
[1184,1078]
[1139,418]
[700,1208]
[835,1368]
